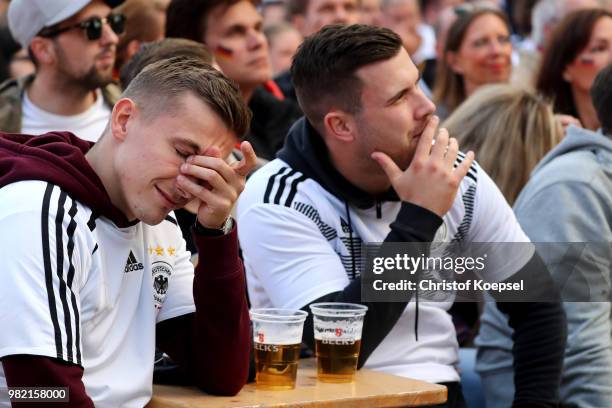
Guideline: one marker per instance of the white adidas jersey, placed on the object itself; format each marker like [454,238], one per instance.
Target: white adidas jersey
[79,289]
[295,237]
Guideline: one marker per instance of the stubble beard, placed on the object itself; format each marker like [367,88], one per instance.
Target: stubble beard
[93,79]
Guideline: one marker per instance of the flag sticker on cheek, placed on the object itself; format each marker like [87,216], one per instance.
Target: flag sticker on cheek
[223,53]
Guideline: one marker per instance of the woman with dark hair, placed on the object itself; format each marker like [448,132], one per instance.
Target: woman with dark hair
[477,52]
[580,47]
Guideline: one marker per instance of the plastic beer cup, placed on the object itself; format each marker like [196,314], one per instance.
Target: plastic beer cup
[277,336]
[337,333]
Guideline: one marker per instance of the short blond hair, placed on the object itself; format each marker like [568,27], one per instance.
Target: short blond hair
[157,86]
[510,129]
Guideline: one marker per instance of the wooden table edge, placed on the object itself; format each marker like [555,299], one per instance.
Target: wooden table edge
[425,398]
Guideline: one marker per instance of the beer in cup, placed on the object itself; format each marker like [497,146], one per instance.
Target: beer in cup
[277,335]
[337,333]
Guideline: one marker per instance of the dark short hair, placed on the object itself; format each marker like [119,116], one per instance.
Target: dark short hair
[156,90]
[323,68]
[187,18]
[423,4]
[159,50]
[570,37]
[296,7]
[601,93]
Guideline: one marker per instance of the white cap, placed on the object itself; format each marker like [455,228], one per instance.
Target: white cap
[27,17]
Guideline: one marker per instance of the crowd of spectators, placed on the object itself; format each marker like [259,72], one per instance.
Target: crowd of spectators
[343,97]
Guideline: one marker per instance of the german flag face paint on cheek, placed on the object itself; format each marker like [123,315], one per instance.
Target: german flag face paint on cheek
[224,53]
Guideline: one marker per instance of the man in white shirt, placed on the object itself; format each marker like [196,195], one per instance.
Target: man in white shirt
[73,45]
[95,270]
[360,168]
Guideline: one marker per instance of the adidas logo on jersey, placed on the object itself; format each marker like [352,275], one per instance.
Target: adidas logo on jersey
[132,264]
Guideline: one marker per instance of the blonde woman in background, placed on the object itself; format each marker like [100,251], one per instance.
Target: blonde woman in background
[510,129]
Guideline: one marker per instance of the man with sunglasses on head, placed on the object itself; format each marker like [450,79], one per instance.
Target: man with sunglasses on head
[73,45]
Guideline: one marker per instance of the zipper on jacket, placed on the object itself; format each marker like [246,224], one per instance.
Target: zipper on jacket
[378,209]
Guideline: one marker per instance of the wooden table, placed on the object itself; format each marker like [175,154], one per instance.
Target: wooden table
[370,389]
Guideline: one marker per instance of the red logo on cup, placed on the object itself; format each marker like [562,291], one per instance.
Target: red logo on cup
[338,332]
[260,337]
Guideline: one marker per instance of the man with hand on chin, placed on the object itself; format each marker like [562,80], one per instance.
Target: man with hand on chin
[360,168]
[95,269]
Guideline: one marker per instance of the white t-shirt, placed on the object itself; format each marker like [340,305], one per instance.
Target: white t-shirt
[80,289]
[296,246]
[87,125]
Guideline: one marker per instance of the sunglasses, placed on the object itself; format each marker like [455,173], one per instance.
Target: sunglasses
[93,27]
